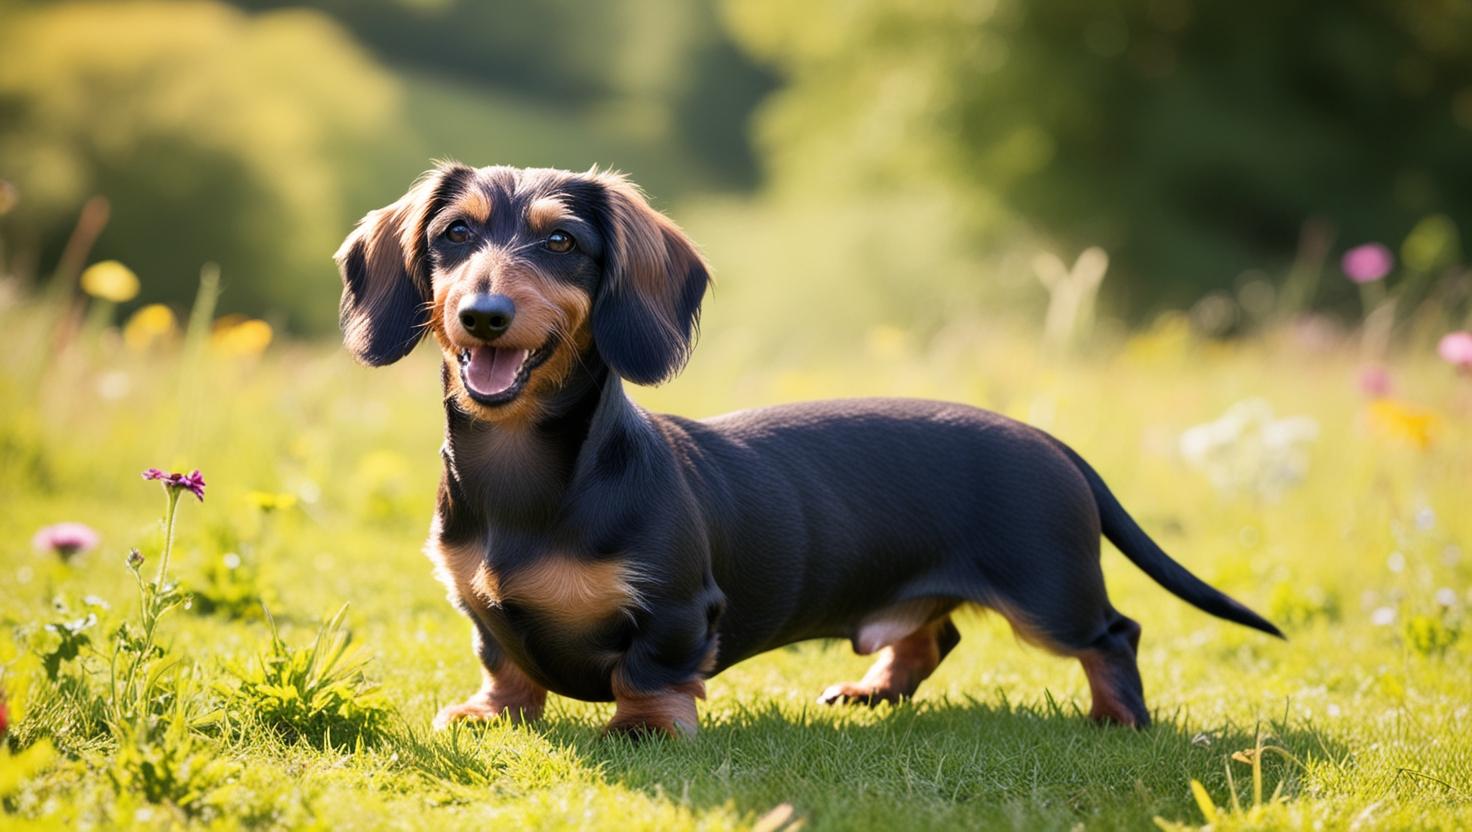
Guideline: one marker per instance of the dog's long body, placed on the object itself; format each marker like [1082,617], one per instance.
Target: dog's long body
[604,552]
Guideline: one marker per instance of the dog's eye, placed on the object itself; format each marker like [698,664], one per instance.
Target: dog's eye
[559,241]
[457,233]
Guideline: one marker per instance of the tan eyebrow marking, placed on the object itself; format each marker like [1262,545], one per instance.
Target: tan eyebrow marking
[545,212]
[475,204]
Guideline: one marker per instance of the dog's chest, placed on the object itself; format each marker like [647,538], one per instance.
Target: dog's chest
[558,588]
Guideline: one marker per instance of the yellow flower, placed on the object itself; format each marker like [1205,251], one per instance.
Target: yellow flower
[148,326]
[1407,422]
[237,335]
[269,501]
[110,280]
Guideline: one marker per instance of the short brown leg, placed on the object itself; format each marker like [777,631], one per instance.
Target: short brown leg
[900,668]
[670,711]
[508,691]
[1114,677]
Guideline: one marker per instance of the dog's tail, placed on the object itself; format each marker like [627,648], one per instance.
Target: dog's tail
[1126,534]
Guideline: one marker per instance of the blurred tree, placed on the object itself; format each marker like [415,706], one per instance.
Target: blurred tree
[218,137]
[667,71]
[254,133]
[1189,139]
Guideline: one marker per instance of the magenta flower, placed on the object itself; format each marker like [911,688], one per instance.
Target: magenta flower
[1375,381]
[1456,349]
[1367,263]
[192,482]
[65,539]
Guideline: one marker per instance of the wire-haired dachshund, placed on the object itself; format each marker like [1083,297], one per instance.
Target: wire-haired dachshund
[607,553]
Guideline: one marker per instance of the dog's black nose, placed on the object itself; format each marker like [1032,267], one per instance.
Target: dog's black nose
[486,316]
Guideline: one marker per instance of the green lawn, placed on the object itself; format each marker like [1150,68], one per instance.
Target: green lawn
[1373,720]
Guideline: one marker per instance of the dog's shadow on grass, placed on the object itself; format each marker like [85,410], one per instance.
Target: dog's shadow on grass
[944,759]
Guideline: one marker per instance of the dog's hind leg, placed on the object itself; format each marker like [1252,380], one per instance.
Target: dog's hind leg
[1106,649]
[1114,676]
[902,665]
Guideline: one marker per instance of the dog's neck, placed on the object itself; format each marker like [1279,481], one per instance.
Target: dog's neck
[516,476]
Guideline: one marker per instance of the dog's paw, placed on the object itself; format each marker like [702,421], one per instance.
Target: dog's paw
[637,731]
[852,693]
[670,712]
[482,709]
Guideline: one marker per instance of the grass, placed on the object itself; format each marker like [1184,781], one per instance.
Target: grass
[1366,724]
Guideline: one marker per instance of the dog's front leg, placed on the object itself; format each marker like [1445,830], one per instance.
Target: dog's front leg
[657,681]
[507,690]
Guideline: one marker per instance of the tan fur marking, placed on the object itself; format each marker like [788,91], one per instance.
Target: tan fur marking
[459,568]
[571,591]
[545,213]
[1108,705]
[671,711]
[898,671]
[485,584]
[546,308]
[474,204]
[508,691]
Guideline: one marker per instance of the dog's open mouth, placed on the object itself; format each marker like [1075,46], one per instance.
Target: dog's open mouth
[494,375]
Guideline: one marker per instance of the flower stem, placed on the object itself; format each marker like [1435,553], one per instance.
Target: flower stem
[170,510]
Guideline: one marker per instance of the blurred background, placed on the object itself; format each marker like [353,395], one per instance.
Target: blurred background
[892,164]
[1221,249]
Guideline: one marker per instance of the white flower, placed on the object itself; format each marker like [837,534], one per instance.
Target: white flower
[1247,449]
[1383,616]
[1426,518]
[1446,597]
[1396,562]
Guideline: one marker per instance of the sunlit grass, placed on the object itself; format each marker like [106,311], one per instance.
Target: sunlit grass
[1370,708]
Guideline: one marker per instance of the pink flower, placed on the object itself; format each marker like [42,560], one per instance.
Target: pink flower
[1367,263]
[65,539]
[1375,381]
[1456,349]
[192,482]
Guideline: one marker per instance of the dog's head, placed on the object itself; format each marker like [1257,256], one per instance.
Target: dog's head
[521,275]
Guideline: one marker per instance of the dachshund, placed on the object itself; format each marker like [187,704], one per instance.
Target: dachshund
[603,552]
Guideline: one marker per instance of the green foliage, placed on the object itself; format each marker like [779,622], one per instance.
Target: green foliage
[65,637]
[163,762]
[230,586]
[1430,634]
[143,673]
[317,694]
[1291,606]
[1378,729]
[1190,140]
[216,136]
[669,70]
[255,138]
[1236,815]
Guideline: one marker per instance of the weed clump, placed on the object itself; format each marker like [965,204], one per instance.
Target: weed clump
[317,694]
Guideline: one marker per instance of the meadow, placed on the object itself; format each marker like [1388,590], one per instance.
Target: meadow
[1342,514]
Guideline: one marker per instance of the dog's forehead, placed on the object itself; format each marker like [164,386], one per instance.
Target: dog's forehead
[519,187]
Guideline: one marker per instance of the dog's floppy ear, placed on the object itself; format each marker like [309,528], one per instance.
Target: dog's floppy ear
[385,272]
[647,310]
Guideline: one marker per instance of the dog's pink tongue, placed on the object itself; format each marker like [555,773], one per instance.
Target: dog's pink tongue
[492,370]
